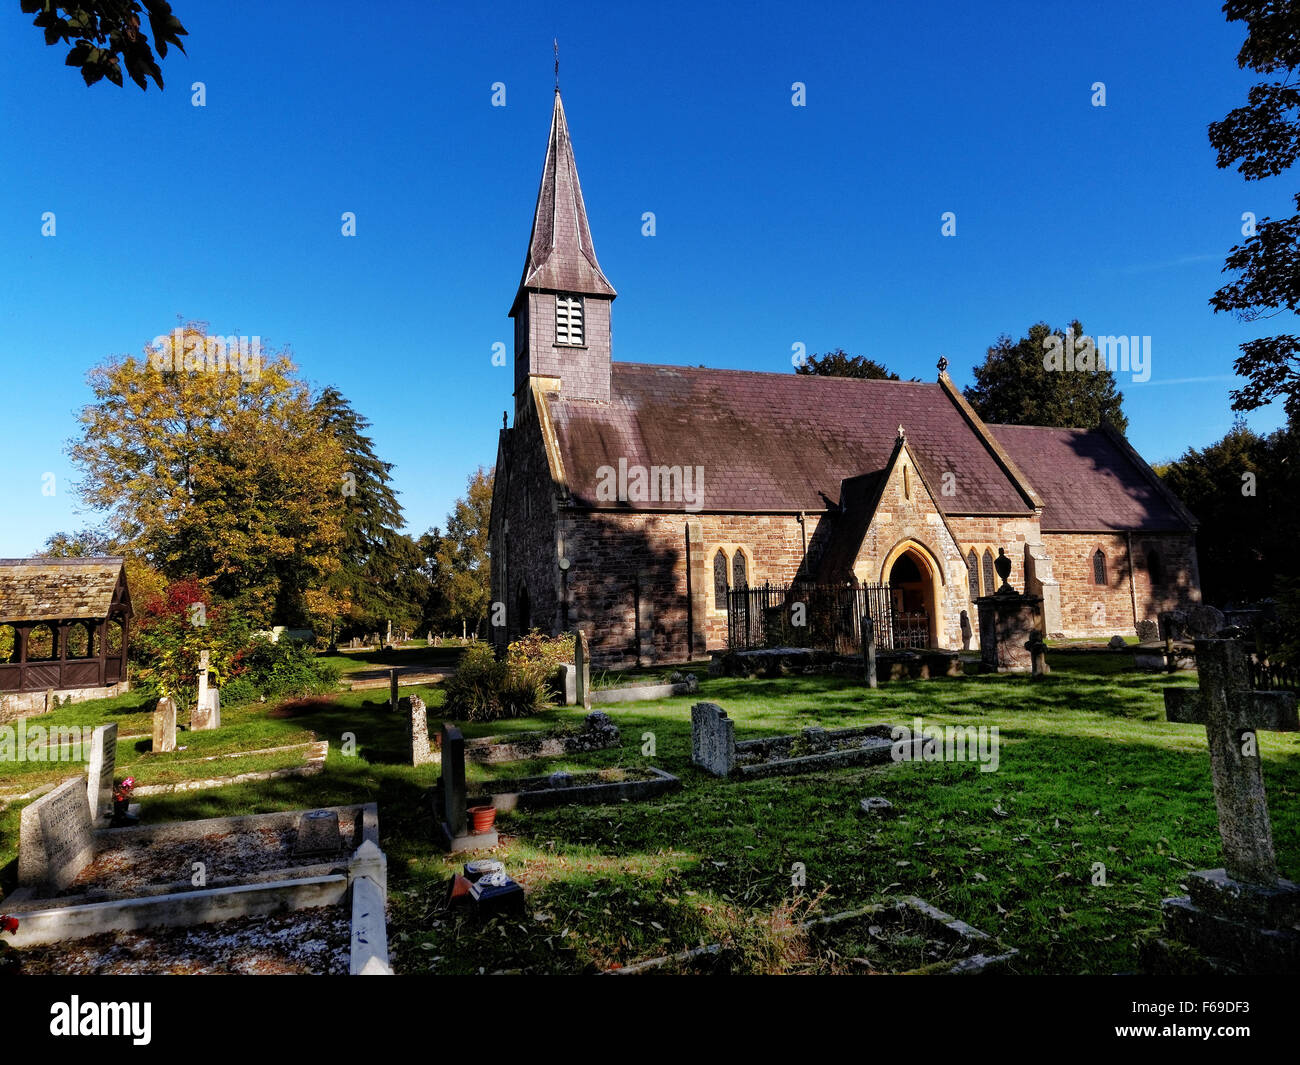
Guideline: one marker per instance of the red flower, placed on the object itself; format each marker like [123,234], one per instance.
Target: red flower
[7,923]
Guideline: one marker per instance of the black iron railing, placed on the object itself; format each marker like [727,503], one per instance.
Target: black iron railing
[823,616]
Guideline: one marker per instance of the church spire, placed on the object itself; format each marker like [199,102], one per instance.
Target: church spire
[561,255]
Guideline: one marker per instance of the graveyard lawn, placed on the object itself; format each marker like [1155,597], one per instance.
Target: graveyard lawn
[1090,775]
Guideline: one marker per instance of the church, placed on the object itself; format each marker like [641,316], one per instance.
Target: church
[630,498]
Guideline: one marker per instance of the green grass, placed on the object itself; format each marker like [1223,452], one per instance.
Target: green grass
[1089,772]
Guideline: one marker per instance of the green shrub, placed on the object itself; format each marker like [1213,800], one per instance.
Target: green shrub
[485,689]
[281,669]
[237,691]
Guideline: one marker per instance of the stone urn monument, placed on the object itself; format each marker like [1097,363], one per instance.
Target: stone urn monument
[1011,624]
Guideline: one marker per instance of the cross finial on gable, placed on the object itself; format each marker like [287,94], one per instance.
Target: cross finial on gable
[556,43]
[901,435]
[943,364]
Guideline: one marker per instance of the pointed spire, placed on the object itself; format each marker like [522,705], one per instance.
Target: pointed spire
[561,255]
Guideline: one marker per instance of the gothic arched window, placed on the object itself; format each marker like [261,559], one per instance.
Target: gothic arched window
[973,566]
[720,580]
[739,570]
[990,582]
[1099,567]
[1154,570]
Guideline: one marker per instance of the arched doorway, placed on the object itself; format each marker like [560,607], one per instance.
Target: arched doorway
[915,596]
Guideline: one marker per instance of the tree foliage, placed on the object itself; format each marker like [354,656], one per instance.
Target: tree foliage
[1262,139]
[380,576]
[462,577]
[225,476]
[839,363]
[1014,387]
[105,34]
[1242,490]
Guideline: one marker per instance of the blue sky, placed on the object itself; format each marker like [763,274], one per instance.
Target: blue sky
[776,224]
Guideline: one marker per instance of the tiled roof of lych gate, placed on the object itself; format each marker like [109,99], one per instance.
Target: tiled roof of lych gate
[775,442]
[51,588]
[561,254]
[1087,482]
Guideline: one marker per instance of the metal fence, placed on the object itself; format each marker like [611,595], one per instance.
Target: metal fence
[1271,676]
[824,616]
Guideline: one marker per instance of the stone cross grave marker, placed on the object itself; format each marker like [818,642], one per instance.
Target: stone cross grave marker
[1232,713]
[206,714]
[582,664]
[164,725]
[713,739]
[99,774]
[55,837]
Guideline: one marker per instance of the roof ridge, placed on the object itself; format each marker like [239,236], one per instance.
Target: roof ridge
[766,373]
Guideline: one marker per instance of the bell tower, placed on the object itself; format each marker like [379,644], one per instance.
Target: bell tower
[562,308]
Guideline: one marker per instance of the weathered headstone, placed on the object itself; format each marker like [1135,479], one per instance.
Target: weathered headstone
[582,664]
[453,805]
[568,683]
[99,778]
[713,739]
[318,833]
[421,750]
[869,649]
[1243,912]
[392,689]
[55,837]
[164,725]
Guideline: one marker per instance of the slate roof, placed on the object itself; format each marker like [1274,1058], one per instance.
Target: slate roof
[1089,482]
[774,442]
[561,255]
[50,588]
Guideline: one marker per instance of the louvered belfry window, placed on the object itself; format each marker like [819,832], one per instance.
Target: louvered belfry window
[568,320]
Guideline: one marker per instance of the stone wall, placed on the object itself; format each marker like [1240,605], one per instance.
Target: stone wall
[523,545]
[14,705]
[1089,609]
[614,556]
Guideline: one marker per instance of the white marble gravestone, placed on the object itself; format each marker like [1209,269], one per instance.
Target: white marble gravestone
[55,837]
[99,779]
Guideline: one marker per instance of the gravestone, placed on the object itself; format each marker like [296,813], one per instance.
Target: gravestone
[582,665]
[568,683]
[55,837]
[1243,913]
[318,833]
[421,751]
[206,714]
[99,778]
[164,725]
[453,828]
[392,689]
[869,649]
[1038,654]
[713,739]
